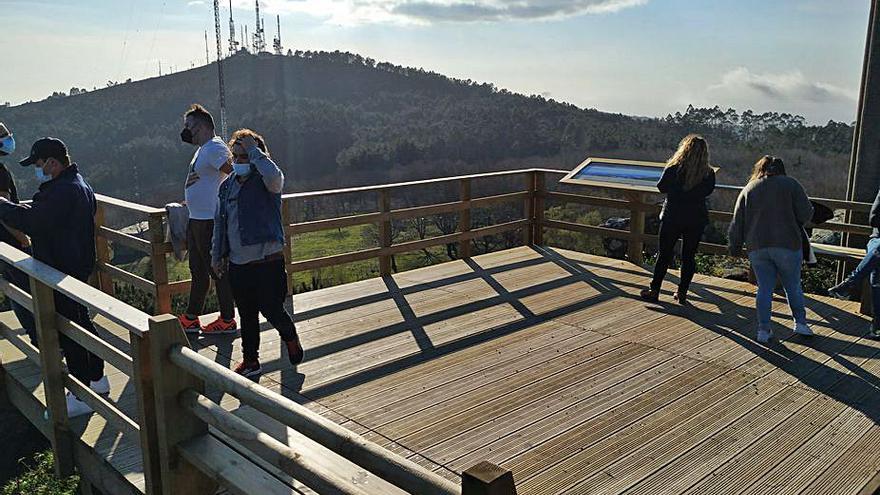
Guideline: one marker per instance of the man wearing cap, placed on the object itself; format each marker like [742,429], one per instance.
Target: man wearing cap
[14,237]
[61,224]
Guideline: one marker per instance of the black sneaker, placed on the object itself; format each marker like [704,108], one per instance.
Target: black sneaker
[294,351]
[650,295]
[874,333]
[248,368]
[841,290]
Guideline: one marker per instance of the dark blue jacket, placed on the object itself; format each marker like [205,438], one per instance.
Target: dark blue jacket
[259,209]
[60,222]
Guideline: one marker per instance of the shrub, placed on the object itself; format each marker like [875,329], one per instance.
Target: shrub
[40,479]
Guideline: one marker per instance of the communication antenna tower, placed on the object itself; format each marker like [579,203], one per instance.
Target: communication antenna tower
[233,43]
[220,69]
[276,43]
[207,56]
[259,38]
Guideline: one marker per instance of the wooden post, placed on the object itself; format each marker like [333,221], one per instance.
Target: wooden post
[464,218]
[142,376]
[286,221]
[487,479]
[175,424]
[636,227]
[529,210]
[538,225]
[102,252]
[160,266]
[385,231]
[53,380]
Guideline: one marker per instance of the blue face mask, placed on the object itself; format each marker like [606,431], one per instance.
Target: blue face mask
[42,176]
[241,169]
[7,145]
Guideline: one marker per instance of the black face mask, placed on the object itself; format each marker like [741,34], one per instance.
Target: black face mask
[186,135]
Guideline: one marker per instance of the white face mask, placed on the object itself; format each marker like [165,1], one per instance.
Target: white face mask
[241,169]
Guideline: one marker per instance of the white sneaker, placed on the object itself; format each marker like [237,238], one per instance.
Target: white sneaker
[75,407]
[803,329]
[764,336]
[101,387]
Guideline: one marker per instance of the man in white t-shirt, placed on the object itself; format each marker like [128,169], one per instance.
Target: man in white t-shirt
[210,164]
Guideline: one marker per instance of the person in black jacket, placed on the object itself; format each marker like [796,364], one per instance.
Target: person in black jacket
[14,237]
[61,224]
[868,267]
[687,180]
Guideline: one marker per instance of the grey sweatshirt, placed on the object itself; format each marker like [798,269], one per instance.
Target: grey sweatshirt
[769,212]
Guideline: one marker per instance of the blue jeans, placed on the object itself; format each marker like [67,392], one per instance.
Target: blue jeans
[786,263]
[869,264]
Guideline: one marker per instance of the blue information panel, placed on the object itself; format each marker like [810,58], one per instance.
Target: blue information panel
[625,174]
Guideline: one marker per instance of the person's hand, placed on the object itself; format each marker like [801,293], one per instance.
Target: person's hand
[247,141]
[191,179]
[220,266]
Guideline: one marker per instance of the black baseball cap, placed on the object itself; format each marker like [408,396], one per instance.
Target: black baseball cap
[47,147]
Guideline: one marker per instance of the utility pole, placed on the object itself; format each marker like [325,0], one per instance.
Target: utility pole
[277,42]
[220,69]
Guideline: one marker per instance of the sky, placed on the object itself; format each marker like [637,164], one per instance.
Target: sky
[636,57]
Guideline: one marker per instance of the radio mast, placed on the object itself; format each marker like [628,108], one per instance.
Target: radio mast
[220,69]
[276,43]
[233,43]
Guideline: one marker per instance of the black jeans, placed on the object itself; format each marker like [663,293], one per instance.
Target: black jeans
[81,363]
[690,241]
[198,242]
[260,288]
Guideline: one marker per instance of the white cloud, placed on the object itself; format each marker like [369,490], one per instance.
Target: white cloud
[424,12]
[195,2]
[792,86]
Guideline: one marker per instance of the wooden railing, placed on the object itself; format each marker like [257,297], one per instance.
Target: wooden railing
[174,414]
[534,197]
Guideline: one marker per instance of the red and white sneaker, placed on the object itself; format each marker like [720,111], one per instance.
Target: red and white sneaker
[220,326]
[248,369]
[190,325]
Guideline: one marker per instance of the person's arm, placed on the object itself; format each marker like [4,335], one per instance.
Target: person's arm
[803,209]
[19,235]
[38,217]
[272,176]
[874,216]
[667,179]
[707,185]
[735,233]
[217,238]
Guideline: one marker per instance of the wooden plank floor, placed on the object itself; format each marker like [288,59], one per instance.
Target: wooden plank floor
[546,362]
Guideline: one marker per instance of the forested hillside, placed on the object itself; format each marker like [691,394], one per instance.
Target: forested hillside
[334,119]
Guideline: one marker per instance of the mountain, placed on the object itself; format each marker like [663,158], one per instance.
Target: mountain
[338,119]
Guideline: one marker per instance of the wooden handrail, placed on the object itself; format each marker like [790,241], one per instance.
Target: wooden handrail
[315,475]
[393,468]
[133,320]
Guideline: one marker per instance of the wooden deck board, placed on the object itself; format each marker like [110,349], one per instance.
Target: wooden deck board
[547,362]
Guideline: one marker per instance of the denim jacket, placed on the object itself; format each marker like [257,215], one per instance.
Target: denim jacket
[259,206]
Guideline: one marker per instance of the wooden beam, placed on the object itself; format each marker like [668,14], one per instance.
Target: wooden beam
[94,344]
[385,232]
[487,479]
[175,424]
[102,252]
[159,264]
[144,386]
[464,218]
[60,434]
[105,234]
[539,208]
